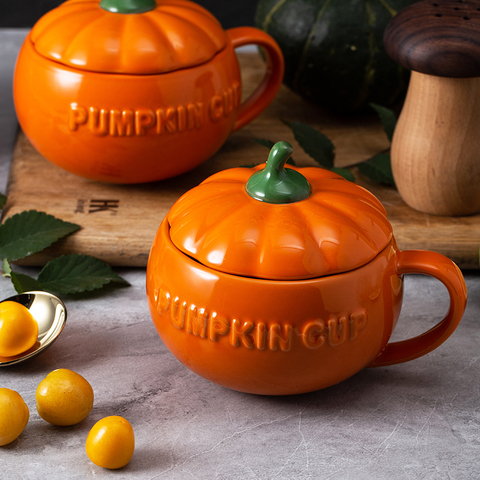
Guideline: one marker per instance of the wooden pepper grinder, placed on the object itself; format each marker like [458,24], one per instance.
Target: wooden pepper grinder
[436,144]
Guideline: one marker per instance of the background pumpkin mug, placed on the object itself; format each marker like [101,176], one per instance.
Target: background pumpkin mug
[281,281]
[135,91]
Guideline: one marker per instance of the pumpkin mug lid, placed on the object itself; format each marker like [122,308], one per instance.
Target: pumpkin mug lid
[128,36]
[279,223]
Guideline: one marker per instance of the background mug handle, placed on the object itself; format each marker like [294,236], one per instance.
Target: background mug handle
[443,269]
[272,80]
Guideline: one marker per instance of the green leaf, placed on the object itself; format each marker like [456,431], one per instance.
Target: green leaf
[269,144]
[21,282]
[3,200]
[344,172]
[6,268]
[77,273]
[315,143]
[388,119]
[378,169]
[30,232]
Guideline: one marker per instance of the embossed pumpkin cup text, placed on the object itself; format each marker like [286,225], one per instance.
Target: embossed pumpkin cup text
[132,91]
[274,280]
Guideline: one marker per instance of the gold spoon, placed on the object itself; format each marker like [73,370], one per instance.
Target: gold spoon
[49,312]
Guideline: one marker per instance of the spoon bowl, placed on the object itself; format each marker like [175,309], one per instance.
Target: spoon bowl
[51,315]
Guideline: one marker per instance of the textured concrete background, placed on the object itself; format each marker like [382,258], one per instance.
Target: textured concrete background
[419,420]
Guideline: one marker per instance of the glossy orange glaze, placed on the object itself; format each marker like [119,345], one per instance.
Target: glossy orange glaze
[286,334]
[286,337]
[340,226]
[150,100]
[176,34]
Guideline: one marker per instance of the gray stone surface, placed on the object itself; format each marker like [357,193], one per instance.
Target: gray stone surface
[419,420]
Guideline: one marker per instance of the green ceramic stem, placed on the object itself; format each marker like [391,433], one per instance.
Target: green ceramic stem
[275,183]
[128,6]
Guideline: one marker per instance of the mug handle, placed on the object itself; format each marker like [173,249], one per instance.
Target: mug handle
[443,269]
[272,80]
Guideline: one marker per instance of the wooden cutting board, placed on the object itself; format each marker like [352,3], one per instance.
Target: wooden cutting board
[119,222]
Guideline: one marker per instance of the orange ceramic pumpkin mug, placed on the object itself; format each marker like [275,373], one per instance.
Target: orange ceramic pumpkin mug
[131,91]
[280,281]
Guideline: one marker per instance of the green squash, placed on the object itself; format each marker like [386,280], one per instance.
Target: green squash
[333,49]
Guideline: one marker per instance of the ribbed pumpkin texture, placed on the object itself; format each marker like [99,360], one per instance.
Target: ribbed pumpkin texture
[98,40]
[134,91]
[338,227]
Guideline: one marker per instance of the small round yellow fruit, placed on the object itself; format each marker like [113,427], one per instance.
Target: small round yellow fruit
[64,397]
[111,442]
[18,329]
[14,415]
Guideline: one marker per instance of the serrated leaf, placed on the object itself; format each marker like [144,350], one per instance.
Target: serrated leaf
[3,200]
[77,273]
[30,232]
[21,282]
[388,119]
[24,283]
[378,169]
[315,143]
[269,144]
[344,172]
